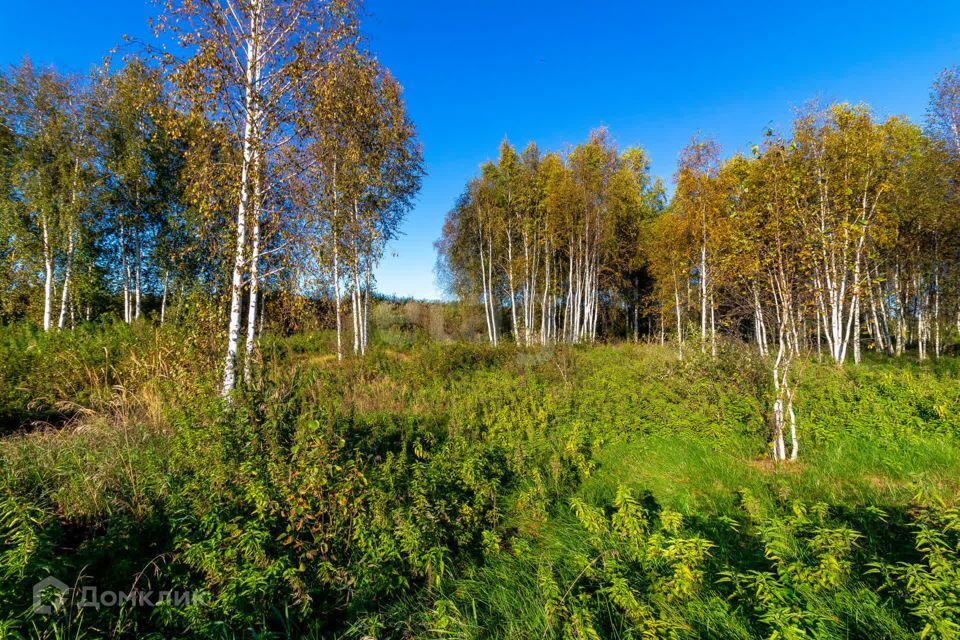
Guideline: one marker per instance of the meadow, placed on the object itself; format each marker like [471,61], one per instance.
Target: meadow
[247,389]
[458,490]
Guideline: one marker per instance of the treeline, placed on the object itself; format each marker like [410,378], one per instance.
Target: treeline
[838,236]
[551,241]
[256,147]
[93,199]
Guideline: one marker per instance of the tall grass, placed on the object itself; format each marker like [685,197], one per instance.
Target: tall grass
[455,490]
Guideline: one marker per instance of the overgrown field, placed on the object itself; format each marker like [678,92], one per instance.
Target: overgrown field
[460,491]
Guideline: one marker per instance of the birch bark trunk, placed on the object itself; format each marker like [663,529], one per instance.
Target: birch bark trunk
[355,300]
[137,273]
[676,298]
[513,295]
[68,273]
[48,266]
[703,294]
[239,262]
[253,298]
[125,274]
[366,308]
[336,291]
[488,316]
[336,264]
[163,300]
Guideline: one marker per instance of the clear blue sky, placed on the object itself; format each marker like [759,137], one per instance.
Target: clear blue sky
[654,73]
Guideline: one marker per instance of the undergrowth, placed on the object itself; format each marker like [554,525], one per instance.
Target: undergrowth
[457,490]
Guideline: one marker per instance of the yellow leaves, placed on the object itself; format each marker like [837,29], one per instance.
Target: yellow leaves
[591,518]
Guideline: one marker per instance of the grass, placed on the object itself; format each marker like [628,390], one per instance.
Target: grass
[455,490]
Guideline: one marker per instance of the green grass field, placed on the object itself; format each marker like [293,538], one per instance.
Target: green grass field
[460,491]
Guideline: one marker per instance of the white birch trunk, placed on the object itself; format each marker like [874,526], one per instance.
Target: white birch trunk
[336,265]
[366,308]
[355,302]
[249,135]
[703,294]
[513,295]
[487,315]
[676,298]
[137,272]
[336,292]
[254,270]
[48,266]
[936,310]
[125,273]
[713,327]
[67,275]
[163,300]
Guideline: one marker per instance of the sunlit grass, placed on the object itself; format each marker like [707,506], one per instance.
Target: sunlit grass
[437,490]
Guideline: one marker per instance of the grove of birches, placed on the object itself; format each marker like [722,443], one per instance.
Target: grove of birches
[724,407]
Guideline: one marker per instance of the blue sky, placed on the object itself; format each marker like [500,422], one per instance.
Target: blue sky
[654,74]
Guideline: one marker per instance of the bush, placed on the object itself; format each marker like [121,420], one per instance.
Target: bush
[461,490]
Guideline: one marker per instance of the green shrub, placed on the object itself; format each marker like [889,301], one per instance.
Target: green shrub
[459,490]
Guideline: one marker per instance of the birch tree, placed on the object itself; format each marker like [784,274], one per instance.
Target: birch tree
[243,63]
[47,176]
[767,226]
[698,201]
[550,241]
[364,168]
[139,162]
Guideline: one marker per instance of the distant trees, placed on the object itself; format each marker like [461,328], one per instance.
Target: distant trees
[245,66]
[139,163]
[552,240]
[698,203]
[839,237]
[230,159]
[47,166]
[863,208]
[93,190]
[363,166]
